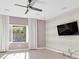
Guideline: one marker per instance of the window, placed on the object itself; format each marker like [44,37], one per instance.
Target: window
[19,33]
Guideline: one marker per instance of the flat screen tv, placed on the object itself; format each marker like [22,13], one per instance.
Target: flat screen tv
[68,29]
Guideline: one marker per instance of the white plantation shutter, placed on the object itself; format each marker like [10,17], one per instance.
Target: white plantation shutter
[32,28]
[4,32]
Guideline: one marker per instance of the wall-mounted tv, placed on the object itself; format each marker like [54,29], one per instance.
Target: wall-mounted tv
[68,29]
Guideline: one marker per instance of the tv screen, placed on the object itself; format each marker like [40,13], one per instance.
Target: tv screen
[68,29]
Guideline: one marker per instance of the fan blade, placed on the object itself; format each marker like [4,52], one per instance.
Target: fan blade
[33,2]
[29,1]
[35,8]
[26,11]
[21,5]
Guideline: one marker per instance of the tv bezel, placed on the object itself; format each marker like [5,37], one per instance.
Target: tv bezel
[67,24]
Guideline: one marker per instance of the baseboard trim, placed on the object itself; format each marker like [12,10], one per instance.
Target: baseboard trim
[54,50]
[18,50]
[41,48]
[63,53]
[27,49]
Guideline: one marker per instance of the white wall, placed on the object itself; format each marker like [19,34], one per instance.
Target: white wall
[62,43]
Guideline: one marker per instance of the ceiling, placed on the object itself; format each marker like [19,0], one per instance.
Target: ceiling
[51,8]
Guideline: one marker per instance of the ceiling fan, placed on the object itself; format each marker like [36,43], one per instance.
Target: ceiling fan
[30,5]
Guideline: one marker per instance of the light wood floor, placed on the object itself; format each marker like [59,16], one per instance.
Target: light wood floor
[34,54]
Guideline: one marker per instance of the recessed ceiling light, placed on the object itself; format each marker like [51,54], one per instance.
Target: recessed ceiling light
[7,10]
[38,14]
[64,8]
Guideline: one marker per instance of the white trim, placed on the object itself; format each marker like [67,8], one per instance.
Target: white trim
[18,50]
[11,33]
[41,48]
[54,50]
[27,34]
[17,25]
[27,49]
[63,53]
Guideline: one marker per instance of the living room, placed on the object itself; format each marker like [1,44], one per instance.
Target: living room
[32,29]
